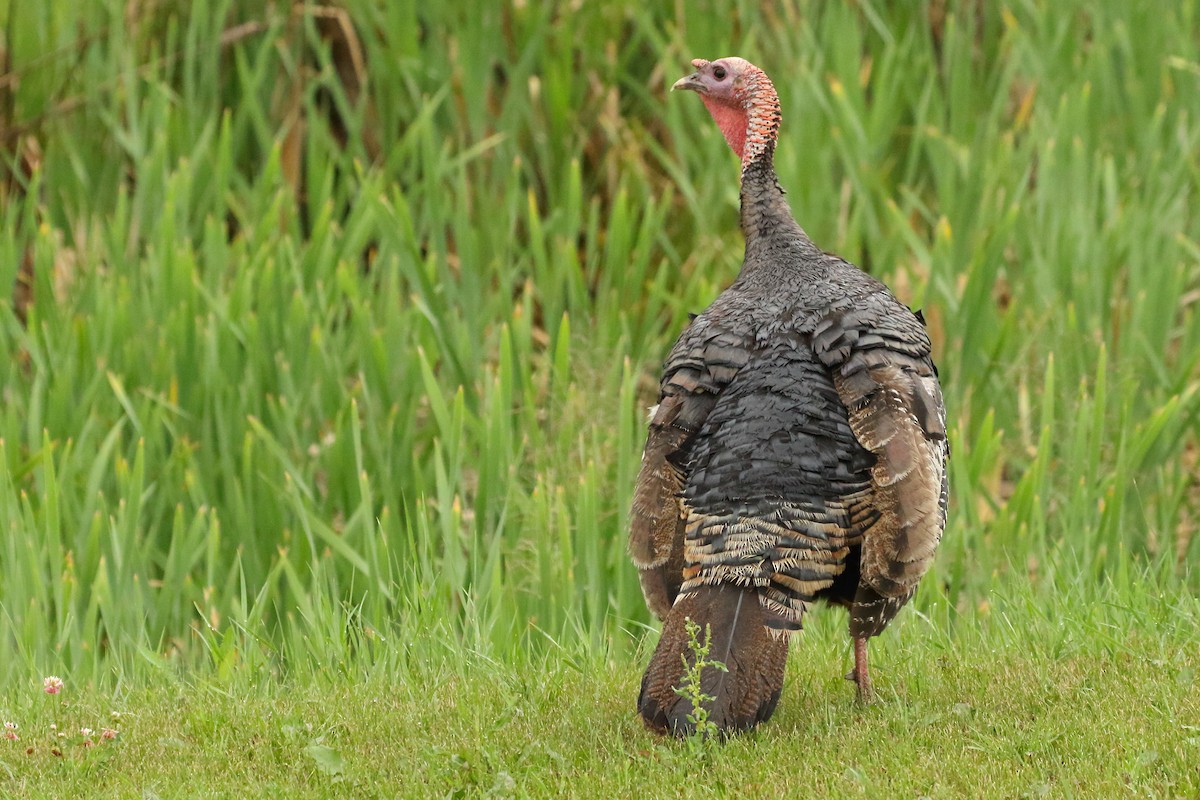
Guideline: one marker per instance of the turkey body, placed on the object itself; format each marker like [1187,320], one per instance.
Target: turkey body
[797,453]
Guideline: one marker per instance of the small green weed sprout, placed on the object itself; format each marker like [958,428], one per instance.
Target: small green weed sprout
[689,688]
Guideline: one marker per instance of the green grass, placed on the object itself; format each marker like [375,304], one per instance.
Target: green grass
[311,419]
[1059,708]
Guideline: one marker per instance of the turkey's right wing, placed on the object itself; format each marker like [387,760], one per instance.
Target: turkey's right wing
[703,361]
[879,356]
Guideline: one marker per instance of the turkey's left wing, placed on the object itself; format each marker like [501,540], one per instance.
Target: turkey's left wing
[699,367]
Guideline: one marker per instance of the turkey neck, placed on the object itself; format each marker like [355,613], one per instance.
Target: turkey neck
[766,216]
[775,242]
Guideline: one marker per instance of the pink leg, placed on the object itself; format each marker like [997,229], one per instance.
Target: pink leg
[861,676]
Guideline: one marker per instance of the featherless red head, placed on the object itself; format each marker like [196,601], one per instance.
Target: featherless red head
[742,101]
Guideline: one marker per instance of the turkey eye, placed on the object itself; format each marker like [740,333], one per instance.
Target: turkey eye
[719,73]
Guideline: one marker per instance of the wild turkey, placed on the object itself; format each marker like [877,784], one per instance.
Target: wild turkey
[797,452]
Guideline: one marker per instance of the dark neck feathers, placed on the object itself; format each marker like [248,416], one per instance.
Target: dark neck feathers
[765,214]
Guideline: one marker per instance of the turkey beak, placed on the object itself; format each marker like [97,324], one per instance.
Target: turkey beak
[691,82]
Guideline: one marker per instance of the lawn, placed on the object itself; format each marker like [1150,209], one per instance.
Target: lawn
[331,332]
[1064,708]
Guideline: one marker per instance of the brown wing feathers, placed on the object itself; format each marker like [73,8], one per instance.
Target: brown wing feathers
[656,521]
[704,360]
[885,379]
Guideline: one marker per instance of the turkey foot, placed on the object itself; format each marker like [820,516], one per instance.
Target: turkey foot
[860,675]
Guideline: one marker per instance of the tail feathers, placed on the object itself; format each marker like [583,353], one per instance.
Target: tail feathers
[755,657]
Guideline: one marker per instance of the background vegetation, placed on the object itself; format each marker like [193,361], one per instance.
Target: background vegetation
[331,329]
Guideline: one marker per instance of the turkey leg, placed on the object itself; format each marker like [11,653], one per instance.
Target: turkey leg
[860,675]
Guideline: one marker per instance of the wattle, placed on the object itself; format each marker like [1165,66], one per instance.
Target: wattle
[732,122]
